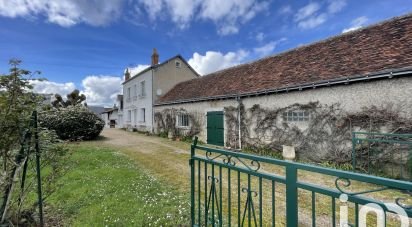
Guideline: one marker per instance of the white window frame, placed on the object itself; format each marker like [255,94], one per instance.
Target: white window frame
[135,116]
[135,92]
[128,94]
[182,120]
[142,88]
[142,115]
[296,116]
[129,115]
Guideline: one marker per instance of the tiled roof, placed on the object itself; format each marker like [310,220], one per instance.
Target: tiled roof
[376,48]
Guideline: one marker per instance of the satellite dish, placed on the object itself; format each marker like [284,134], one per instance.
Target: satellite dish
[159,92]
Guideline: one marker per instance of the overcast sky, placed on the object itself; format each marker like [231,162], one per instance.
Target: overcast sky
[88,44]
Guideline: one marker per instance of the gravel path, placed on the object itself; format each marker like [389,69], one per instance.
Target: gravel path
[122,138]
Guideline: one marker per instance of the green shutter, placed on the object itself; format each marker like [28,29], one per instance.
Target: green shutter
[215,128]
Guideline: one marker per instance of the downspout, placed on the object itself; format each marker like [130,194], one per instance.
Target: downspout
[152,106]
[239,121]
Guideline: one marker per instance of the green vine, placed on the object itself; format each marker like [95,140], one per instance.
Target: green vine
[165,121]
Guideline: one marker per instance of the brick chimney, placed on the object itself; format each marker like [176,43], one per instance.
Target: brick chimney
[155,57]
[126,75]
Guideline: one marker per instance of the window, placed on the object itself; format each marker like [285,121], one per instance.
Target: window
[177,64]
[129,115]
[143,115]
[296,115]
[143,88]
[135,91]
[135,116]
[183,120]
[128,93]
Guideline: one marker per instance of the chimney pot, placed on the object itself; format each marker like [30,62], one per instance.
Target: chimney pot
[127,75]
[155,57]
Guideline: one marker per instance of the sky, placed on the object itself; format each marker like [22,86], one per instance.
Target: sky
[86,45]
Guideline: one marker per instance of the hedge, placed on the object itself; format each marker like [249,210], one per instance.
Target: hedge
[72,123]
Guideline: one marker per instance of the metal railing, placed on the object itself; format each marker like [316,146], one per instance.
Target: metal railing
[238,189]
[384,154]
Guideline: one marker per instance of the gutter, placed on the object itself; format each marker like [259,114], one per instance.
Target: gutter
[386,74]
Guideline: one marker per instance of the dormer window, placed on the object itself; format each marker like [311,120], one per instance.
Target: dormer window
[178,64]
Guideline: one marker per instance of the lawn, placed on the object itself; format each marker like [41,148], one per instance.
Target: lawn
[106,188]
[129,179]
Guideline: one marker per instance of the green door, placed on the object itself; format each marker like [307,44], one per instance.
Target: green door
[215,128]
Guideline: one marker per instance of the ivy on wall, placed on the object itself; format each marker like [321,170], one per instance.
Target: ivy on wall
[325,137]
[165,122]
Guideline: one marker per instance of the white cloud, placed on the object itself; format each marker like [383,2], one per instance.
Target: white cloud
[286,9]
[313,22]
[268,48]
[49,87]
[13,8]
[228,15]
[101,90]
[133,70]
[260,36]
[307,11]
[152,7]
[336,5]
[315,14]
[65,13]
[182,11]
[214,60]
[356,24]
[227,29]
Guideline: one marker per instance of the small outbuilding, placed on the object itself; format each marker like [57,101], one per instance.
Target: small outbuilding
[311,97]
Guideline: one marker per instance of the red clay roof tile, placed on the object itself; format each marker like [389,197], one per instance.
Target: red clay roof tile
[384,46]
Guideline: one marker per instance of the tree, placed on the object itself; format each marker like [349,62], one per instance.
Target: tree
[17,104]
[73,99]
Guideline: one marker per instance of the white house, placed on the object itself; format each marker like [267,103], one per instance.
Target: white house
[113,117]
[142,90]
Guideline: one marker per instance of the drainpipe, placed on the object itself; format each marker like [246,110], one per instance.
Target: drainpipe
[239,121]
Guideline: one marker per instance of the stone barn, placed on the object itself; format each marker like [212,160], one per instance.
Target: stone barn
[311,97]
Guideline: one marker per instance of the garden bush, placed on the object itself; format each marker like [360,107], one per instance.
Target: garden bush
[72,123]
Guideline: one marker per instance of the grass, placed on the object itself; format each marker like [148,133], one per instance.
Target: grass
[106,188]
[122,183]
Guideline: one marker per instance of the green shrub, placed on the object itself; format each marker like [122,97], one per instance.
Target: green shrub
[72,123]
[163,134]
[264,151]
[341,166]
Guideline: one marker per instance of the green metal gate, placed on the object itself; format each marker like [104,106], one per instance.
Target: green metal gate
[238,189]
[215,128]
[384,154]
